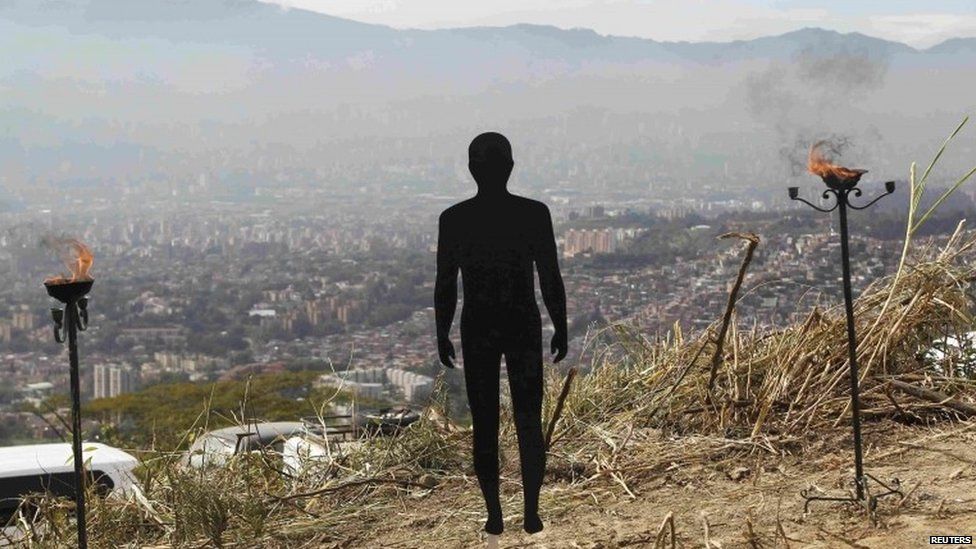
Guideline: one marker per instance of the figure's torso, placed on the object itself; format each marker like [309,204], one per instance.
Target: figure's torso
[496,245]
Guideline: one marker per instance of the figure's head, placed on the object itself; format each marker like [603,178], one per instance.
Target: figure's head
[490,161]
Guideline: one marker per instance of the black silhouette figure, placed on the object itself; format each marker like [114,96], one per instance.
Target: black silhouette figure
[494,238]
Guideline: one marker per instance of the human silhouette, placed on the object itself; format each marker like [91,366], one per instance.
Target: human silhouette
[494,238]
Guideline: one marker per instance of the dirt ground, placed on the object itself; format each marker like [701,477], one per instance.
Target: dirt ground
[752,500]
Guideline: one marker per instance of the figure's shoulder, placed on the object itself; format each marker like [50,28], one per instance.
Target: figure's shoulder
[534,206]
[456,211]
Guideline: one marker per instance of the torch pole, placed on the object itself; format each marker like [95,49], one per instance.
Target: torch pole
[75,314]
[851,351]
[71,315]
[841,192]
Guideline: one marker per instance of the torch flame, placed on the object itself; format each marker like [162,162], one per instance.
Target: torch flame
[819,163]
[77,257]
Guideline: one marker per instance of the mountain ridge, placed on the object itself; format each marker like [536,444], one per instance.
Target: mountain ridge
[98,12]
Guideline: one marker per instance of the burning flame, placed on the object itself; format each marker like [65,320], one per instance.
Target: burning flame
[819,163]
[77,258]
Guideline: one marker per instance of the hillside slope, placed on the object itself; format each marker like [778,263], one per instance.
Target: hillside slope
[937,468]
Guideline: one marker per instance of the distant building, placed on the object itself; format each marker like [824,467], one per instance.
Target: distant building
[595,241]
[414,386]
[112,380]
[170,361]
[23,320]
[371,382]
[595,211]
[362,383]
[100,381]
[348,311]
[166,334]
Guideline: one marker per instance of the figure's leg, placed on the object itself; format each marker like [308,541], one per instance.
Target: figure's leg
[524,364]
[482,362]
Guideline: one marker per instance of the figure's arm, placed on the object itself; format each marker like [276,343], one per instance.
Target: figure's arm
[551,283]
[445,291]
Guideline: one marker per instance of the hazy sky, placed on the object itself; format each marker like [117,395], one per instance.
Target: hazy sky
[920,23]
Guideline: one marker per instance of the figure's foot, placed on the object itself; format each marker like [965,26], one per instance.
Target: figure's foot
[494,524]
[492,541]
[532,524]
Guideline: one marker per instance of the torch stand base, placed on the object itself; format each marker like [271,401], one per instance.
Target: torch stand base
[867,500]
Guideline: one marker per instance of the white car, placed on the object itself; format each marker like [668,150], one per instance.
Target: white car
[216,447]
[49,468]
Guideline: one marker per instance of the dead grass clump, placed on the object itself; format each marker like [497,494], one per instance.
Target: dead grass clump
[783,383]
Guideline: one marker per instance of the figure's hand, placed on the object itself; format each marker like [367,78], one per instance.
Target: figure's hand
[559,347]
[445,349]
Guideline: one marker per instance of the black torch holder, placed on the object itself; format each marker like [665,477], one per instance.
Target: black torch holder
[841,191]
[70,320]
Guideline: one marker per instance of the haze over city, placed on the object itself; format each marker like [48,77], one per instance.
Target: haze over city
[122,89]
